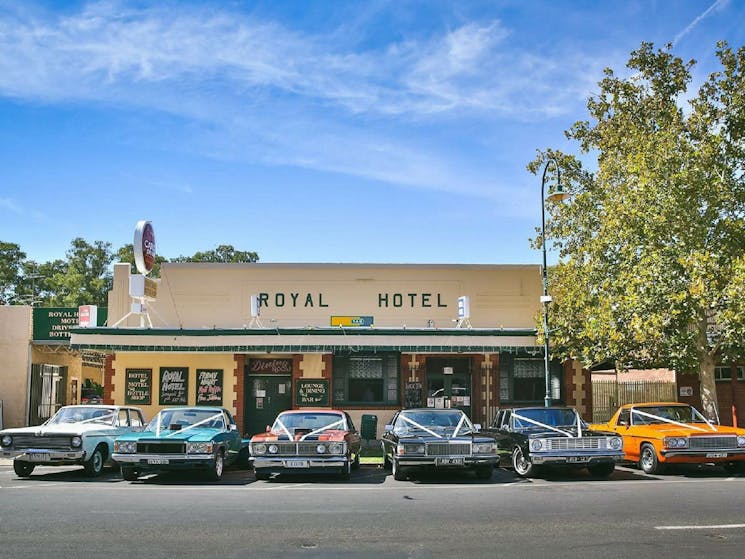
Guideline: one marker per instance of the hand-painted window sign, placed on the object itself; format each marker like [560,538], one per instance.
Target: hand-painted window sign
[311,393]
[352,321]
[209,387]
[138,386]
[174,386]
[270,366]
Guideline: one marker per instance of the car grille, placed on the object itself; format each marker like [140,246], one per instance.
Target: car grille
[295,449]
[712,442]
[161,448]
[446,449]
[46,442]
[576,443]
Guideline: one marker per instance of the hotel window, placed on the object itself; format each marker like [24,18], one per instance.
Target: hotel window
[524,380]
[366,379]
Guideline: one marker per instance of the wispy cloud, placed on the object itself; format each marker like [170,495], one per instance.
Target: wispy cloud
[265,92]
[718,4]
[10,205]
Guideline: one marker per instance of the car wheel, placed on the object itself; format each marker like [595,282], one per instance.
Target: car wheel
[356,463]
[398,473]
[648,461]
[522,465]
[242,459]
[484,472]
[129,473]
[346,471]
[217,466]
[386,461]
[601,470]
[94,465]
[261,476]
[23,469]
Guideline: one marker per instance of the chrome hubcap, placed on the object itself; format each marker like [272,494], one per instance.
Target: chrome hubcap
[521,464]
[218,464]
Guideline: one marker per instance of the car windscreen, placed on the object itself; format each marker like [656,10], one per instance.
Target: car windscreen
[177,419]
[433,422]
[82,414]
[308,422]
[646,415]
[553,417]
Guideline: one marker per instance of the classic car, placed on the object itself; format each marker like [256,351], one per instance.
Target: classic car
[436,439]
[529,438]
[659,433]
[307,441]
[74,435]
[189,438]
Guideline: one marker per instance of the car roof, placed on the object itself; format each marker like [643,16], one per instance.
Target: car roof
[651,404]
[436,410]
[314,410]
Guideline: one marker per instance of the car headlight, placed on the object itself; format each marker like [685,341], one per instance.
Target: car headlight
[413,449]
[336,448]
[7,440]
[536,444]
[273,449]
[615,443]
[76,441]
[675,442]
[198,448]
[321,449]
[740,441]
[484,448]
[125,447]
[259,448]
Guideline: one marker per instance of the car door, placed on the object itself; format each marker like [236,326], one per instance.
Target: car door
[390,440]
[622,423]
[232,436]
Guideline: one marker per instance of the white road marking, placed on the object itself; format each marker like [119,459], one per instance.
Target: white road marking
[710,527]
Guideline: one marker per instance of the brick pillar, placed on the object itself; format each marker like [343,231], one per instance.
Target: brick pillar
[108,379]
[239,377]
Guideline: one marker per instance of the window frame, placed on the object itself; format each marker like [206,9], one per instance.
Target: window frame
[391,372]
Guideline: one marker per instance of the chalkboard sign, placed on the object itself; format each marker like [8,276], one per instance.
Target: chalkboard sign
[209,387]
[174,386]
[138,386]
[413,395]
[311,393]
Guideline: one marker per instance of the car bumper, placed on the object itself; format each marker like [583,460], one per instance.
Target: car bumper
[299,464]
[708,455]
[455,462]
[164,461]
[578,459]
[45,456]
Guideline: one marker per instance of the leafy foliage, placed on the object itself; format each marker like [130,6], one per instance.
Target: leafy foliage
[652,243]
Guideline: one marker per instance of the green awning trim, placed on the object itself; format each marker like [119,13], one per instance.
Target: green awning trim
[311,331]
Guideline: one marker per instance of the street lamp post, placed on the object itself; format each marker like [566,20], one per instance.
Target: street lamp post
[556,196]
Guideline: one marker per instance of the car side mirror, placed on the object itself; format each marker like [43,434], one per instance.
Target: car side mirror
[624,423]
[388,428]
[233,427]
[477,427]
[268,428]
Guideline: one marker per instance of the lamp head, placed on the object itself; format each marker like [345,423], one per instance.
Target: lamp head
[559,194]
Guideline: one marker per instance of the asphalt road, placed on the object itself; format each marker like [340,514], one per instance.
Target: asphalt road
[58,512]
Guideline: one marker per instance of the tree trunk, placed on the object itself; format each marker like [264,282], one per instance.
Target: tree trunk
[707,361]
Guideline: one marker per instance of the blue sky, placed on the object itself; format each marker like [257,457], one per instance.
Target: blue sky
[308,131]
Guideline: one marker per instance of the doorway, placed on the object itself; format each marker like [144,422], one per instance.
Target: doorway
[449,383]
[266,396]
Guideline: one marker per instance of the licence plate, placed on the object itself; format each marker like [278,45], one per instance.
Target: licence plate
[716,455]
[38,457]
[449,461]
[578,459]
[297,464]
[157,460]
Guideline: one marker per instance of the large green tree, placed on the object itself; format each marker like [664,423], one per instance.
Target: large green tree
[85,277]
[652,244]
[11,266]
[223,253]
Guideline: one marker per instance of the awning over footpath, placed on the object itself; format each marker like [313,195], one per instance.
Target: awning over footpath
[308,340]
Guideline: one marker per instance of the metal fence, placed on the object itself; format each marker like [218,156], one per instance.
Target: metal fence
[607,395]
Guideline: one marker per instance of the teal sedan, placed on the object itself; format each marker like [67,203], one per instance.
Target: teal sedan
[197,438]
